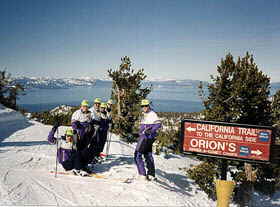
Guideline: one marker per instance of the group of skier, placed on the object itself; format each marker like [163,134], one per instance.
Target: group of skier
[81,146]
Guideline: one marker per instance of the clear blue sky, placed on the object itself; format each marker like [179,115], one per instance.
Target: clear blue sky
[168,38]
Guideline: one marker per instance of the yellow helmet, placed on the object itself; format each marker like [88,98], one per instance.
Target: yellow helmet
[145,102]
[110,101]
[69,132]
[97,100]
[103,105]
[85,103]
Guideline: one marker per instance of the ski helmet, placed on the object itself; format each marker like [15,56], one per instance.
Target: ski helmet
[69,132]
[110,101]
[85,103]
[103,105]
[145,102]
[97,100]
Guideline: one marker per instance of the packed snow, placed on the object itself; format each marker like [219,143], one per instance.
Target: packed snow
[27,159]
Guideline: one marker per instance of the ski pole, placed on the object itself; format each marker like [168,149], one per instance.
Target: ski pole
[56,155]
[108,143]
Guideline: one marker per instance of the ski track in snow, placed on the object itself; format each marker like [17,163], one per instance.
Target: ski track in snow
[27,159]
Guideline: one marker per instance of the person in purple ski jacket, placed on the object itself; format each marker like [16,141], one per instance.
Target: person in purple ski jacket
[149,125]
[82,122]
[67,153]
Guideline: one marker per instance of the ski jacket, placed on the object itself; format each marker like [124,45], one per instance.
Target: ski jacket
[149,125]
[105,120]
[94,114]
[80,121]
[109,112]
[81,116]
[65,149]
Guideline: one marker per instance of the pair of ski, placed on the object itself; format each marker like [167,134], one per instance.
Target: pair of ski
[97,176]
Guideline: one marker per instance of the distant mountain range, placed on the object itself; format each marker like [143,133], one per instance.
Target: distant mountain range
[54,83]
[63,83]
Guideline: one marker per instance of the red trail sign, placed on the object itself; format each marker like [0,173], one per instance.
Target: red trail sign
[233,141]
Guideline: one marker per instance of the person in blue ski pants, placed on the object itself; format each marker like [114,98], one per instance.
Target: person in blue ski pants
[149,125]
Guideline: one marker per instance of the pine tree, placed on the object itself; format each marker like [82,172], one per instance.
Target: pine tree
[9,90]
[127,93]
[4,81]
[276,108]
[276,115]
[239,93]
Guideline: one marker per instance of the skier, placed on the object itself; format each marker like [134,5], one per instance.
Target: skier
[111,124]
[109,113]
[95,109]
[105,120]
[149,125]
[109,106]
[82,122]
[102,132]
[68,155]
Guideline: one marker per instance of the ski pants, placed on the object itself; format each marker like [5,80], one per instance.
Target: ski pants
[84,141]
[144,148]
[100,141]
[84,153]
[79,159]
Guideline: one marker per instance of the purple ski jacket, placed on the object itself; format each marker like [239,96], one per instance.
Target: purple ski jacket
[65,149]
[149,123]
[80,121]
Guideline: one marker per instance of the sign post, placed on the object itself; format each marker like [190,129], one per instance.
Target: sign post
[227,141]
[249,143]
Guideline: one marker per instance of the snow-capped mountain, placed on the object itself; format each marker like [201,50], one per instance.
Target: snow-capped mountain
[59,83]
[54,83]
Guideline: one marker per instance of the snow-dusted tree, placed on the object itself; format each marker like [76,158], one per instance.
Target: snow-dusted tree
[127,92]
[9,90]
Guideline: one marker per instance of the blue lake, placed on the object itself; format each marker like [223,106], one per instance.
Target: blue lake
[165,97]
[171,98]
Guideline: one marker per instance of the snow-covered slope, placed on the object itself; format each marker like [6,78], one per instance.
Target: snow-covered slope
[27,158]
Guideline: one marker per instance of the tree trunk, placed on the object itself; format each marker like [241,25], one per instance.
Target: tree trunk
[118,101]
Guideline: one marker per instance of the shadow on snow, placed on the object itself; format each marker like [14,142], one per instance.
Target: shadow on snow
[23,144]
[8,128]
[168,181]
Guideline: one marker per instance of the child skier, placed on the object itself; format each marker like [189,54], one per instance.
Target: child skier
[149,125]
[68,155]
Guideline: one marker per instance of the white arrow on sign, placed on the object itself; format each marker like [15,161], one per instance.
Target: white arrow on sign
[257,152]
[191,129]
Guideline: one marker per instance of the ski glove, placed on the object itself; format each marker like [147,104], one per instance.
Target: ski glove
[76,125]
[148,131]
[56,124]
